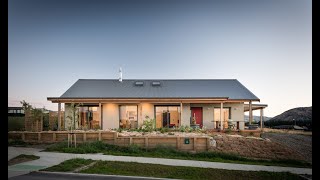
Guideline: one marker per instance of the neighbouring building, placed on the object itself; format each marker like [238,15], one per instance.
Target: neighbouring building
[112,103]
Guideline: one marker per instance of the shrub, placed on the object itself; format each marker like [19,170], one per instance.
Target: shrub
[182,128]
[15,123]
[228,131]
[164,129]
[133,148]
[148,124]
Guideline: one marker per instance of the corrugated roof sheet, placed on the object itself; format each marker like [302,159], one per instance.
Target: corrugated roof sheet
[183,88]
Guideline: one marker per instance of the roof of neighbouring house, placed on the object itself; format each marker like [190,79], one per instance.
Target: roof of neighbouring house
[159,88]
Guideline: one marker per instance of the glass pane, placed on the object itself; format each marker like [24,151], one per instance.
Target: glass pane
[128,117]
[168,116]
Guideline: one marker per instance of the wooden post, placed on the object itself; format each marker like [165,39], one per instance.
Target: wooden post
[250,112]
[59,116]
[23,136]
[68,139]
[221,112]
[261,119]
[181,110]
[130,140]
[75,140]
[146,139]
[178,143]
[208,143]
[99,136]
[84,137]
[100,117]
[115,137]
[39,136]
[194,143]
[54,137]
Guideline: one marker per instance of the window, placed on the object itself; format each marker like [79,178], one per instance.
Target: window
[167,116]
[89,117]
[128,116]
[226,116]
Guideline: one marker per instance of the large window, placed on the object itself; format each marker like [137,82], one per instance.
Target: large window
[89,117]
[128,117]
[167,116]
[226,116]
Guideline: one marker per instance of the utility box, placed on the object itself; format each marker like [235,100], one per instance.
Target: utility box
[186,141]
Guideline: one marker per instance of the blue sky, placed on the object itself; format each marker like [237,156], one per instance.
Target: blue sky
[265,44]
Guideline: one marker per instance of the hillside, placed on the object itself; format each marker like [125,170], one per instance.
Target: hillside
[256,118]
[302,116]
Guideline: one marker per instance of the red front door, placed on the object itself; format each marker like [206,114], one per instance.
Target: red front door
[197,113]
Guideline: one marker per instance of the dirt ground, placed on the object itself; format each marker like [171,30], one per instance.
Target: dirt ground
[301,144]
[259,148]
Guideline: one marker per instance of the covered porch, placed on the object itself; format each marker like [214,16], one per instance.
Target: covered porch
[218,113]
[252,107]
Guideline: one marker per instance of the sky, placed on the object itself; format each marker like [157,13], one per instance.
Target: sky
[265,44]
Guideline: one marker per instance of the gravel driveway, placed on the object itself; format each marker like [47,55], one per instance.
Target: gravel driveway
[302,144]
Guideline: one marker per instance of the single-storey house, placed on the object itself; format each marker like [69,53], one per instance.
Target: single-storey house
[113,103]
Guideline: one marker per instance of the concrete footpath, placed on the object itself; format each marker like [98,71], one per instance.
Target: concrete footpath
[48,159]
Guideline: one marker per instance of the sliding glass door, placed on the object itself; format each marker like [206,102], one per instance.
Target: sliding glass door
[167,116]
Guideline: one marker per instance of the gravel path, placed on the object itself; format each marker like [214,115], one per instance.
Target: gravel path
[302,144]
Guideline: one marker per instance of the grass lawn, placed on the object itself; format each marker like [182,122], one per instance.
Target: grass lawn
[69,165]
[163,171]
[165,152]
[22,158]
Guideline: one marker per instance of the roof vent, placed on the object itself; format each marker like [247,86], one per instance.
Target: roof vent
[138,83]
[155,83]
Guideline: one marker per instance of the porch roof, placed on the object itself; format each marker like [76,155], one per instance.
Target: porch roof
[254,107]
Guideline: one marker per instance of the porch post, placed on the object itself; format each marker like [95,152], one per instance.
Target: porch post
[181,107]
[59,116]
[250,112]
[261,119]
[100,119]
[221,108]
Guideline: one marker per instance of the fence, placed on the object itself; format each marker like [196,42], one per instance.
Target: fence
[179,143]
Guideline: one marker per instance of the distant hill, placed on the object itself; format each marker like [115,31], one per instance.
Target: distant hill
[256,118]
[301,115]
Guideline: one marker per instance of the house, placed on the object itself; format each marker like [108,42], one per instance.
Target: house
[15,111]
[112,103]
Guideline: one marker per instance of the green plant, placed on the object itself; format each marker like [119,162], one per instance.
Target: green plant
[228,131]
[148,124]
[15,123]
[170,133]
[37,114]
[182,128]
[133,148]
[16,142]
[164,129]
[188,129]
[74,108]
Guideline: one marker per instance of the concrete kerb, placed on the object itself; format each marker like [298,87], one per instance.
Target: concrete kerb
[102,175]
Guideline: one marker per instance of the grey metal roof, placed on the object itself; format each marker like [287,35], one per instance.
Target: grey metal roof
[183,88]
[169,88]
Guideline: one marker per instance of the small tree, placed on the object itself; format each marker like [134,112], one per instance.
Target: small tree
[25,106]
[148,124]
[36,114]
[74,110]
